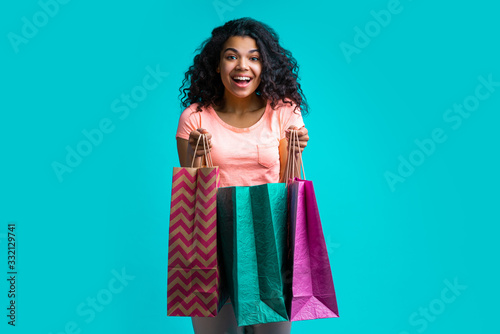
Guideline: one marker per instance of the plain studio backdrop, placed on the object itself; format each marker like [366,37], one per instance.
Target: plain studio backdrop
[404,98]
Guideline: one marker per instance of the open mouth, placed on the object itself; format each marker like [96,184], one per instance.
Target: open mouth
[241,82]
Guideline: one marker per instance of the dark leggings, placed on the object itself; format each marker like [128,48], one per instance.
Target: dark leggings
[225,323]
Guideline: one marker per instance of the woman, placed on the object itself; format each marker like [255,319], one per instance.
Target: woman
[244,95]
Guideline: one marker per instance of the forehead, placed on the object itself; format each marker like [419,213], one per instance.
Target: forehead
[242,44]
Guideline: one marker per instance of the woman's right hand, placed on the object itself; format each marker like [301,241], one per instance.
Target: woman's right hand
[193,139]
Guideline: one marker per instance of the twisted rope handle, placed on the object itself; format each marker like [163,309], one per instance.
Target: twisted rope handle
[290,171]
[207,155]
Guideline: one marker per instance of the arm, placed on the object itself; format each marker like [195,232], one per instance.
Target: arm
[185,148]
[283,150]
[185,152]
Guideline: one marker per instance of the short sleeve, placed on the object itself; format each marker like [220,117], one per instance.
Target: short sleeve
[189,121]
[290,117]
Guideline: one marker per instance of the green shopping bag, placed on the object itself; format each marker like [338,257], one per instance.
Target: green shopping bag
[252,223]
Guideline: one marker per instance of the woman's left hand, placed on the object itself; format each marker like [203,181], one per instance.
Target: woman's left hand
[303,137]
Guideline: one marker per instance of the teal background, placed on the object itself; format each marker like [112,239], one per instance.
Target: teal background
[392,250]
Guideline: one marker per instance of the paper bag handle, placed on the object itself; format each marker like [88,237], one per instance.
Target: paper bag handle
[207,154]
[291,160]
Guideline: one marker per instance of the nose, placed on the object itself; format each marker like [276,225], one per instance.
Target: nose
[242,64]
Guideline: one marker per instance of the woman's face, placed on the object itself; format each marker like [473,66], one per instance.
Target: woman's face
[240,66]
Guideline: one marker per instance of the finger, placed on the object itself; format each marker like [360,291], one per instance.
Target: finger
[291,127]
[200,153]
[208,141]
[287,134]
[302,132]
[299,142]
[193,135]
[195,141]
[304,138]
[298,148]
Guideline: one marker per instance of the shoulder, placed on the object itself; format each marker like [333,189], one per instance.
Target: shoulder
[287,114]
[287,105]
[191,112]
[193,108]
[287,108]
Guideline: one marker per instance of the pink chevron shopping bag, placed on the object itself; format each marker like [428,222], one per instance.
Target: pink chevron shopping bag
[312,291]
[194,275]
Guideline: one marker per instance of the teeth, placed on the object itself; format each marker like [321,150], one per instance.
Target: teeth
[242,78]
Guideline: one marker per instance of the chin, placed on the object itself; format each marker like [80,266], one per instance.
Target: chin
[242,95]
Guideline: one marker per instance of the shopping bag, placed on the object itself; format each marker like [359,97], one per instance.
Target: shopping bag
[252,224]
[312,291]
[194,274]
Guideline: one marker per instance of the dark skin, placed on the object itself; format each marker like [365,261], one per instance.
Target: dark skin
[241,106]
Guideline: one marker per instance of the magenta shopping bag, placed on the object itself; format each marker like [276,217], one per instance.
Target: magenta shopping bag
[312,289]
[313,292]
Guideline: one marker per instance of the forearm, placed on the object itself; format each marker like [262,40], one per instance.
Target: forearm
[288,170]
[188,162]
[186,152]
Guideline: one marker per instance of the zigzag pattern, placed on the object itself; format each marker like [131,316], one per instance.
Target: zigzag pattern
[186,289]
[183,240]
[193,271]
[187,302]
[183,255]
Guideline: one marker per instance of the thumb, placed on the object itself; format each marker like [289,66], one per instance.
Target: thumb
[287,131]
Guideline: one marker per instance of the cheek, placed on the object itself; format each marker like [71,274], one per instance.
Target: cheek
[225,77]
[259,71]
[259,79]
[225,70]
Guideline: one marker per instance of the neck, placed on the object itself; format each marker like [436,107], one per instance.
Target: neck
[237,105]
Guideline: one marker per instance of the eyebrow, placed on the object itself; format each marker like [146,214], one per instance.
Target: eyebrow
[234,50]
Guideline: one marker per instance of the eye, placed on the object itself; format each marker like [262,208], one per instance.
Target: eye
[255,58]
[231,57]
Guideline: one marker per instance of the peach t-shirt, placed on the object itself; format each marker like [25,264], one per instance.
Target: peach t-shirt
[245,156]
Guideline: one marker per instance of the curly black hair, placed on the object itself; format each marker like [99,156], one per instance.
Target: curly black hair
[279,76]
